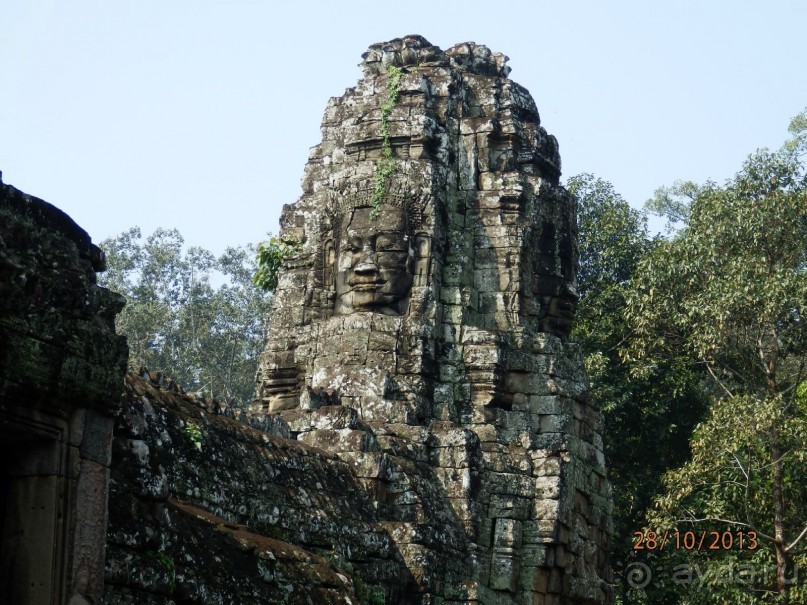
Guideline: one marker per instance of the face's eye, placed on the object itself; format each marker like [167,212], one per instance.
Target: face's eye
[392,260]
[355,244]
[389,243]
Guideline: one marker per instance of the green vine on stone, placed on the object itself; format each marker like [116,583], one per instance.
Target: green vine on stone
[385,167]
[194,434]
[168,563]
[366,594]
[270,257]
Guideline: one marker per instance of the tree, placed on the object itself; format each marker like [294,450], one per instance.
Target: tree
[654,413]
[729,291]
[206,337]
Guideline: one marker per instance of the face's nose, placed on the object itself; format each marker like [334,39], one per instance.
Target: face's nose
[367,264]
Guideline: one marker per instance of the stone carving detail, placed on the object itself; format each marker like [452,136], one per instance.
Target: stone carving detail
[372,261]
[444,324]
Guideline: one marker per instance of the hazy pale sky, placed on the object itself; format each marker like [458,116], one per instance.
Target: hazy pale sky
[199,115]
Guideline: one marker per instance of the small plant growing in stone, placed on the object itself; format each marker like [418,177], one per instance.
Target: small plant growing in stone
[270,257]
[168,563]
[366,594]
[385,167]
[194,434]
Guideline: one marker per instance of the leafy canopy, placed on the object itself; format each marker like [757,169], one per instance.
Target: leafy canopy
[654,413]
[190,315]
[728,290]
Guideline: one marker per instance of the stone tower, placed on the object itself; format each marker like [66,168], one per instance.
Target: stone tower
[421,331]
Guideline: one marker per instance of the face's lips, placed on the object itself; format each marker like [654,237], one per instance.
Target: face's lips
[365,283]
[366,287]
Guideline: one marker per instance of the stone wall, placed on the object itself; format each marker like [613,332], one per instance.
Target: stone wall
[436,305]
[206,509]
[61,367]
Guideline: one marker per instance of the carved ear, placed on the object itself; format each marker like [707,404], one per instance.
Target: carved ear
[328,265]
[422,244]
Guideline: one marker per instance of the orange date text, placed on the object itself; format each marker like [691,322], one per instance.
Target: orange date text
[695,540]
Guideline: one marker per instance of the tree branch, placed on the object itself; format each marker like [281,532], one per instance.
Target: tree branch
[719,382]
[739,464]
[796,541]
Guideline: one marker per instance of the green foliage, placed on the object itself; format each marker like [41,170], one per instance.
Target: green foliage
[270,257]
[194,434]
[730,287]
[673,202]
[366,594]
[729,471]
[205,336]
[168,563]
[653,414]
[385,167]
[612,239]
[728,291]
[728,485]
[798,128]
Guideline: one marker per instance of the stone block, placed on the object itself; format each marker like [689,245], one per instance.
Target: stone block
[551,441]
[340,440]
[451,295]
[480,357]
[462,392]
[541,531]
[453,314]
[282,402]
[511,485]
[449,373]
[555,423]
[547,509]
[547,487]
[457,482]
[504,570]
[96,442]
[534,579]
[509,507]
[545,404]
[382,341]
[507,534]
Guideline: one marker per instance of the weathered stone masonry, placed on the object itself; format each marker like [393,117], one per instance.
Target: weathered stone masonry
[61,366]
[205,509]
[443,322]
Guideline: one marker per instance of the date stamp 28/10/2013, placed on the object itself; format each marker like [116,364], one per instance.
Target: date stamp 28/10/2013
[695,540]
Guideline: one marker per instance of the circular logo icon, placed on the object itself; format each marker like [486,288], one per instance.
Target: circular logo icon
[638,575]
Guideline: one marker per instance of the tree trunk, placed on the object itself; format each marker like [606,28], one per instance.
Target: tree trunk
[779,523]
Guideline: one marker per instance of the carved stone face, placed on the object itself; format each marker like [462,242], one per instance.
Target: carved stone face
[374,263]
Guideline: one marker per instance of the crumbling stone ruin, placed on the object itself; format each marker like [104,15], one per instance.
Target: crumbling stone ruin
[435,305]
[61,366]
[206,509]
[421,432]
